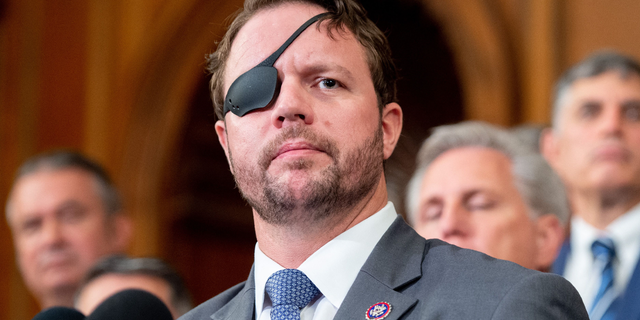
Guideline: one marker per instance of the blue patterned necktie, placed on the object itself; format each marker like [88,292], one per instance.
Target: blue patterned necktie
[290,290]
[604,304]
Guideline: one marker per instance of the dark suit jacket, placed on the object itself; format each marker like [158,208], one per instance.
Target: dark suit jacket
[429,279]
[630,299]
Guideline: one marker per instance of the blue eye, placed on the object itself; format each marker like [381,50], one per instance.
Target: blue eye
[329,84]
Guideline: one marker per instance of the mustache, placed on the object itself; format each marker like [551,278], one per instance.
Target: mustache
[319,142]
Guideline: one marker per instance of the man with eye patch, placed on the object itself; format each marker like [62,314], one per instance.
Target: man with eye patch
[64,214]
[479,187]
[594,145]
[305,94]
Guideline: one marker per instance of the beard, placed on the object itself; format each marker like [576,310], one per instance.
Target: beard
[323,195]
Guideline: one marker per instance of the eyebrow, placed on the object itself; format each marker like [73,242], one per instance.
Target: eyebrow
[322,67]
[468,194]
[71,203]
[465,194]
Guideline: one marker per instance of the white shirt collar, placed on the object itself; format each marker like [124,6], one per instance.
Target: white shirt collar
[623,230]
[580,269]
[583,234]
[332,268]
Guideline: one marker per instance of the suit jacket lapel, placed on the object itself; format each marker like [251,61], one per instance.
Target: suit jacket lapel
[395,262]
[630,304]
[242,306]
[561,261]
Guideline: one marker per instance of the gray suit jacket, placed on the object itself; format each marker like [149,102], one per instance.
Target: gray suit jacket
[429,279]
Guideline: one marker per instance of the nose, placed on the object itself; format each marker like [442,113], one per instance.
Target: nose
[612,120]
[454,223]
[52,234]
[292,105]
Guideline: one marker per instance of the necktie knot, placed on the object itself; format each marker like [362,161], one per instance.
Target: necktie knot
[290,290]
[604,249]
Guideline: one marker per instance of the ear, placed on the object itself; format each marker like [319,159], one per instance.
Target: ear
[549,146]
[221,131]
[123,231]
[549,237]
[391,127]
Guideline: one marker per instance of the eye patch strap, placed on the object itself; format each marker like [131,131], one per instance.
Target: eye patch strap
[268,62]
[256,88]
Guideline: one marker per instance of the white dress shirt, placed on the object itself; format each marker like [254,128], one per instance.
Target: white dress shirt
[581,270]
[333,268]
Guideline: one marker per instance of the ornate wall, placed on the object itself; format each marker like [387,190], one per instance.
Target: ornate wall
[119,80]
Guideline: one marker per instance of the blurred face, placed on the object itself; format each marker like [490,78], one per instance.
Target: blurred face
[476,205]
[597,139]
[60,230]
[101,288]
[319,145]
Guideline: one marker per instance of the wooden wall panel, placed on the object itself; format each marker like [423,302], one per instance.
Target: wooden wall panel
[62,81]
[539,59]
[20,34]
[169,73]
[114,79]
[99,75]
[481,48]
[593,24]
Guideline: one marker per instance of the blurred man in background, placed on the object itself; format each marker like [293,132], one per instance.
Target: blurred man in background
[595,147]
[478,187]
[64,214]
[116,273]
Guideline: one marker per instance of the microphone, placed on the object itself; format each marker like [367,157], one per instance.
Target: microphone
[131,304]
[59,313]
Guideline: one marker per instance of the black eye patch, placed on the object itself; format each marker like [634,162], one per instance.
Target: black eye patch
[256,88]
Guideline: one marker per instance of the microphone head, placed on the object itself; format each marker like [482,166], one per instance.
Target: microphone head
[131,304]
[59,313]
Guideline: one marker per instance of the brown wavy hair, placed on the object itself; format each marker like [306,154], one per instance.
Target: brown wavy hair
[343,14]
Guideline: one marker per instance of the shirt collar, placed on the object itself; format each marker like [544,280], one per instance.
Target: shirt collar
[621,230]
[332,268]
[583,234]
[625,228]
